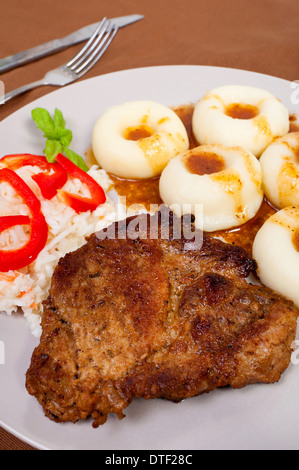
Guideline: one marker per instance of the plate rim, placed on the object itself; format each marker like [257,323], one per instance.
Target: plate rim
[8,427]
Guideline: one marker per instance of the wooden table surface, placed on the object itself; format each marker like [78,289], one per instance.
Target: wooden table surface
[255,35]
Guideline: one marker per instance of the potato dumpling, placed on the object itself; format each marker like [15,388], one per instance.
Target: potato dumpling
[240,115]
[226,181]
[280,167]
[276,250]
[136,140]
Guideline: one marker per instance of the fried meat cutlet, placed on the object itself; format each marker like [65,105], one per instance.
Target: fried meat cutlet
[146,317]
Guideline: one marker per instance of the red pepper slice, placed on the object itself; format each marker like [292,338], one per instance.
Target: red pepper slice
[49,181]
[79,203]
[9,221]
[17,259]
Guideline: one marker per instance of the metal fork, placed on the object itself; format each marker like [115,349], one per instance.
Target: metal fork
[78,65]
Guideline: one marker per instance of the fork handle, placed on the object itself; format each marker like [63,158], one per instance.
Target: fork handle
[20,90]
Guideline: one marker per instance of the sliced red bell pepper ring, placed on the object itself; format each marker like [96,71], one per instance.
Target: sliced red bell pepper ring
[49,181]
[79,203]
[9,221]
[20,258]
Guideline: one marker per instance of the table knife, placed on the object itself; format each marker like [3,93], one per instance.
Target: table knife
[58,44]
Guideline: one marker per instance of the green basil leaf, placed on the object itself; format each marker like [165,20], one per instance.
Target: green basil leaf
[64,136]
[43,120]
[58,137]
[75,158]
[59,120]
[52,149]
[51,134]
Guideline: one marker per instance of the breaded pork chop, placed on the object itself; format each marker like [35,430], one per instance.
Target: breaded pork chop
[146,317]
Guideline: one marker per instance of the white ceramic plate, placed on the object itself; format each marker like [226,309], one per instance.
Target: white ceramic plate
[256,417]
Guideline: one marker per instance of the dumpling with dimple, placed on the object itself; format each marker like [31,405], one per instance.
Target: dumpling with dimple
[137,139]
[240,115]
[280,167]
[226,182]
[276,250]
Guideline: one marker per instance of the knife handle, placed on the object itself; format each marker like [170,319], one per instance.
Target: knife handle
[30,55]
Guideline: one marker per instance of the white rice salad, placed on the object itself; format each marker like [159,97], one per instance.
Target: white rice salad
[27,288]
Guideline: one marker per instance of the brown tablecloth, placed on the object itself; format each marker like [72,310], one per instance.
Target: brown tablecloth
[261,36]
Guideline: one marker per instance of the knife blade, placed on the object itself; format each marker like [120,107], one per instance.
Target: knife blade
[56,45]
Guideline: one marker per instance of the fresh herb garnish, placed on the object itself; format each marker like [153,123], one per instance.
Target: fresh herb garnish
[57,135]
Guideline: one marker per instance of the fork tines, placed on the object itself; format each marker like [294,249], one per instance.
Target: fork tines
[94,48]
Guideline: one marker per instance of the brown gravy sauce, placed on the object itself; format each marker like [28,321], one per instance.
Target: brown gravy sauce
[138,132]
[241,111]
[204,163]
[294,124]
[244,235]
[146,192]
[295,240]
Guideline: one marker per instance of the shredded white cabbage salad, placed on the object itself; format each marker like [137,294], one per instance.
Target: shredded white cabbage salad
[27,288]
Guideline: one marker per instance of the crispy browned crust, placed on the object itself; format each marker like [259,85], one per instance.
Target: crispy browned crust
[147,318]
